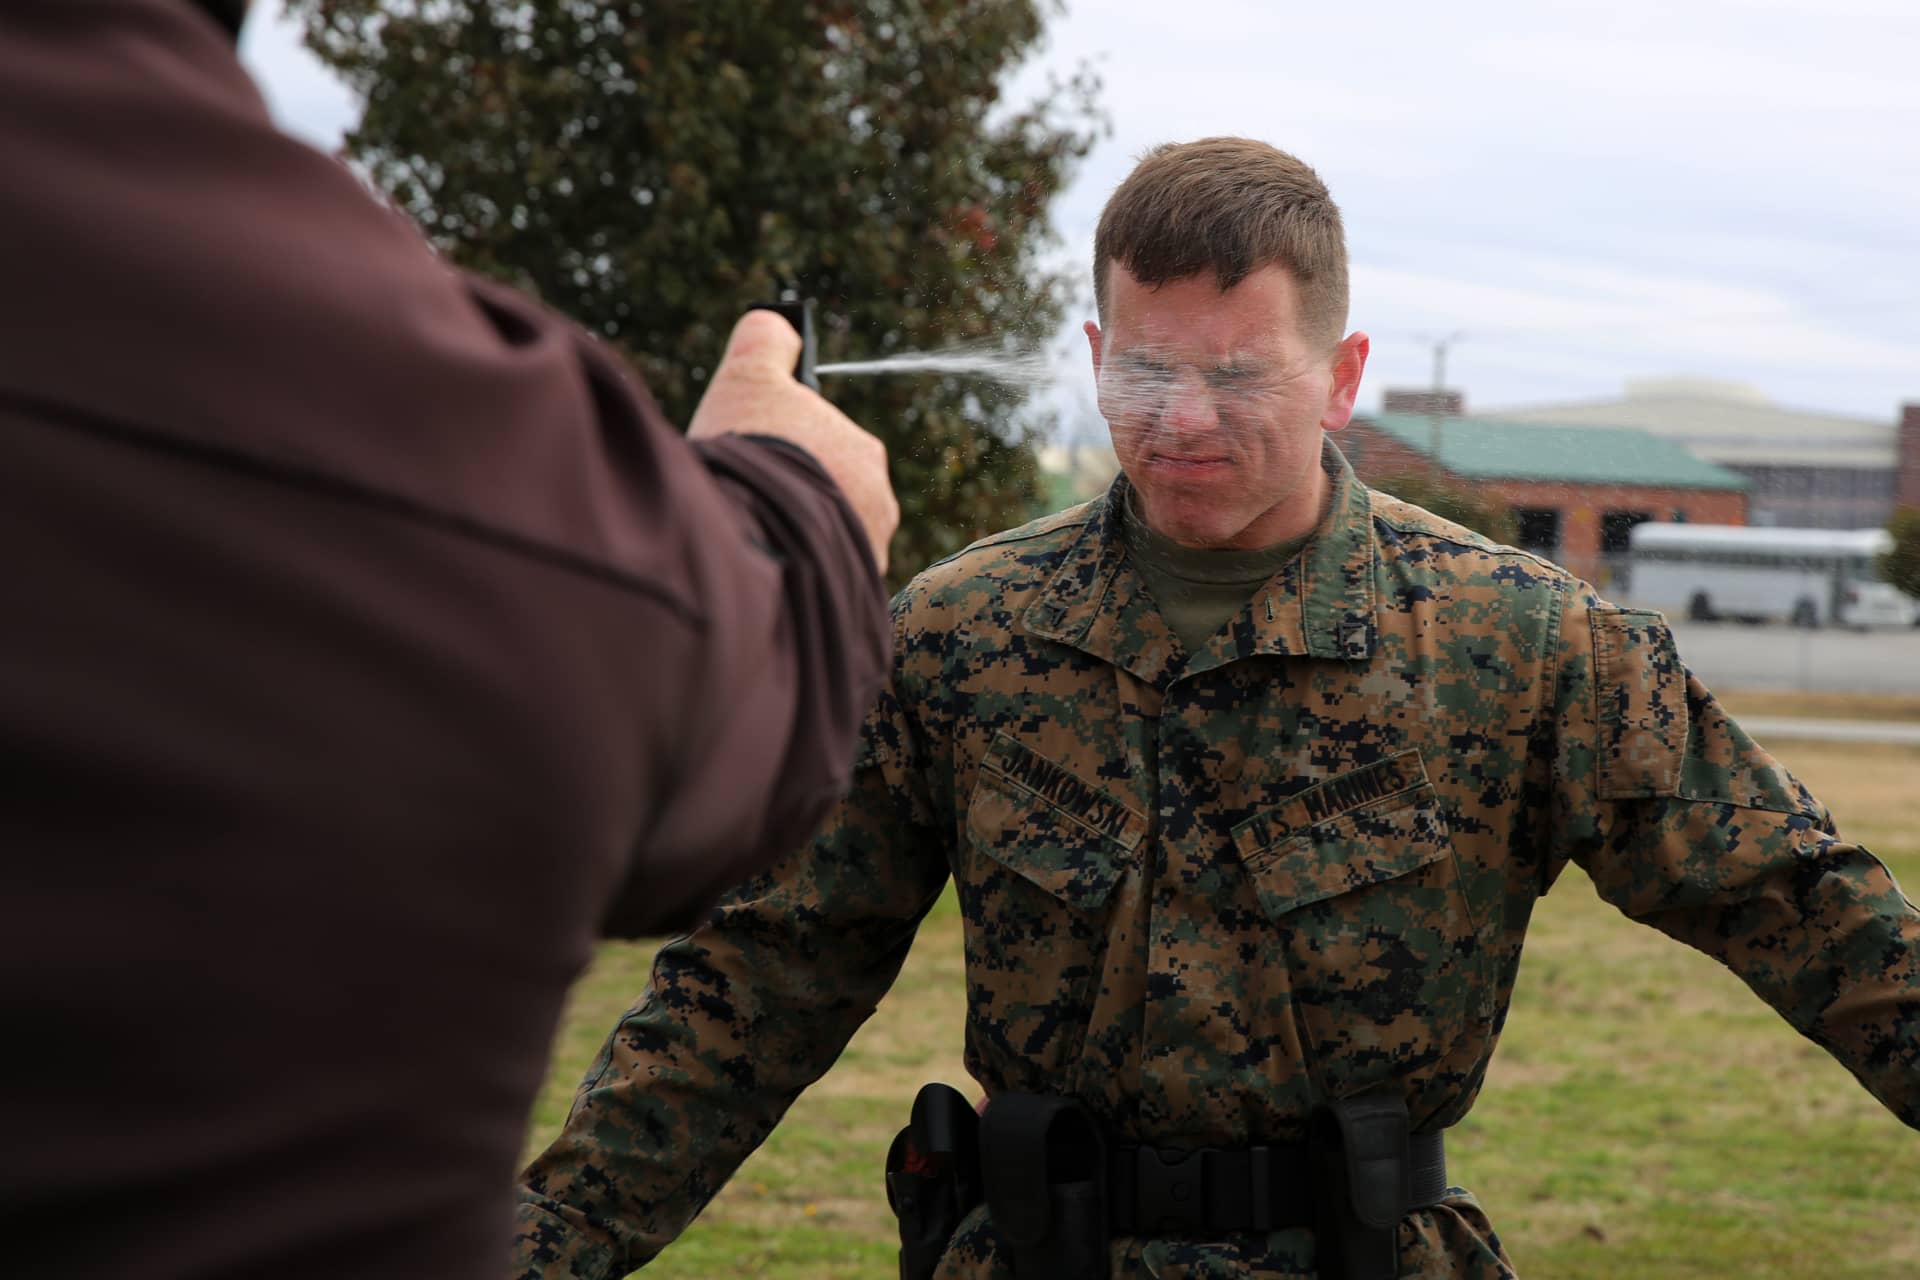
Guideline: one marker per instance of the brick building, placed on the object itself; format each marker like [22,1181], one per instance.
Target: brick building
[1807,469]
[1575,491]
[1907,478]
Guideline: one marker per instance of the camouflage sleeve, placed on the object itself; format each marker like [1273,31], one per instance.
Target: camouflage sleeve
[736,1020]
[1686,824]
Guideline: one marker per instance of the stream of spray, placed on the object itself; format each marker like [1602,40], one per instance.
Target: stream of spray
[1053,383]
[1028,370]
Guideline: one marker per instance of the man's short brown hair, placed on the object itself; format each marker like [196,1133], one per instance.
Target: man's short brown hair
[1229,206]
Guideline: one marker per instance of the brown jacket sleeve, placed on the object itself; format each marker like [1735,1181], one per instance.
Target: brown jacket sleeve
[750,702]
[746,793]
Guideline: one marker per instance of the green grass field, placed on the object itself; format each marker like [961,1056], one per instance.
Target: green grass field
[1646,1115]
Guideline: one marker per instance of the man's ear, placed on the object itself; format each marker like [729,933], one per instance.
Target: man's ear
[1092,330]
[1349,362]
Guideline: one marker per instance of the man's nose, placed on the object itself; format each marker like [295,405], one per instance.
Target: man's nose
[1190,406]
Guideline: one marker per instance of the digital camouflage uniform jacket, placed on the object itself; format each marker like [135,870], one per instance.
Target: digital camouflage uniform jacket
[1204,892]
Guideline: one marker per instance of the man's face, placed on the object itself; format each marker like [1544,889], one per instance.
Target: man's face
[1217,402]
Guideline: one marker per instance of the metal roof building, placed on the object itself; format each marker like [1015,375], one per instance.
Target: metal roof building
[1809,470]
[1575,491]
[1483,449]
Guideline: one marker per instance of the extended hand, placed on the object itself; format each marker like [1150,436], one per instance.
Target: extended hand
[754,391]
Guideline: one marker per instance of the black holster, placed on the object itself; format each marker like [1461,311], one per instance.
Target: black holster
[1045,1163]
[933,1176]
[1362,1186]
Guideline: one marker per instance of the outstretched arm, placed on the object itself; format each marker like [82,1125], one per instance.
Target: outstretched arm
[1686,824]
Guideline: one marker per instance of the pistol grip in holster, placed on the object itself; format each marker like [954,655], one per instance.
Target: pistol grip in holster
[1363,1185]
[933,1176]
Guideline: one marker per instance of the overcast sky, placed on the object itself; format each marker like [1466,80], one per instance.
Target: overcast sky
[1588,192]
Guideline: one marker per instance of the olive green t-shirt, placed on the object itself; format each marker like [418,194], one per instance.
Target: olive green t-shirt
[1198,591]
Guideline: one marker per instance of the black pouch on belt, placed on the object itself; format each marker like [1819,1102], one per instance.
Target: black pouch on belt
[1362,1186]
[1045,1161]
[933,1176]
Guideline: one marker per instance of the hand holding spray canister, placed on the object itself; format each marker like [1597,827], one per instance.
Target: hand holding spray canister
[750,394]
[799,314]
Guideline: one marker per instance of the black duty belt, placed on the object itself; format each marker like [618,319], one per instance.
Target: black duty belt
[1169,1191]
[1059,1190]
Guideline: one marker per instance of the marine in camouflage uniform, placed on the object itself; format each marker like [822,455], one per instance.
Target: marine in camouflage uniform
[1204,892]
[1209,887]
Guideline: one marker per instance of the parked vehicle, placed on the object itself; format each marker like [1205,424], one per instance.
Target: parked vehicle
[1809,577]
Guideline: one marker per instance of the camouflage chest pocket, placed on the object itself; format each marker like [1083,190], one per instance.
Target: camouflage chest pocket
[1045,851]
[1387,969]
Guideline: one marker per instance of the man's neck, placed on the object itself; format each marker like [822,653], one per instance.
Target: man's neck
[1198,591]
[1292,520]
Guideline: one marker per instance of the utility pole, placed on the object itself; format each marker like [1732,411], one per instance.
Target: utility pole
[1434,411]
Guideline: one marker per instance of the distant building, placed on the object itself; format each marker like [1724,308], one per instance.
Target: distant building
[1575,491]
[1807,470]
[1907,482]
[1446,401]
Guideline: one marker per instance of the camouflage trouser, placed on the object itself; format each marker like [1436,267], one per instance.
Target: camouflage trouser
[1450,1241]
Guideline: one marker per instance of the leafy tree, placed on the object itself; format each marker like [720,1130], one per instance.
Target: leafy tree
[1901,566]
[652,169]
[1484,514]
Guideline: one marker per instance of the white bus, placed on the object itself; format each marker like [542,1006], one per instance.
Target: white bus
[1810,577]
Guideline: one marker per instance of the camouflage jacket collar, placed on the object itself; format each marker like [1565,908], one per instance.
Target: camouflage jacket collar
[1320,604]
